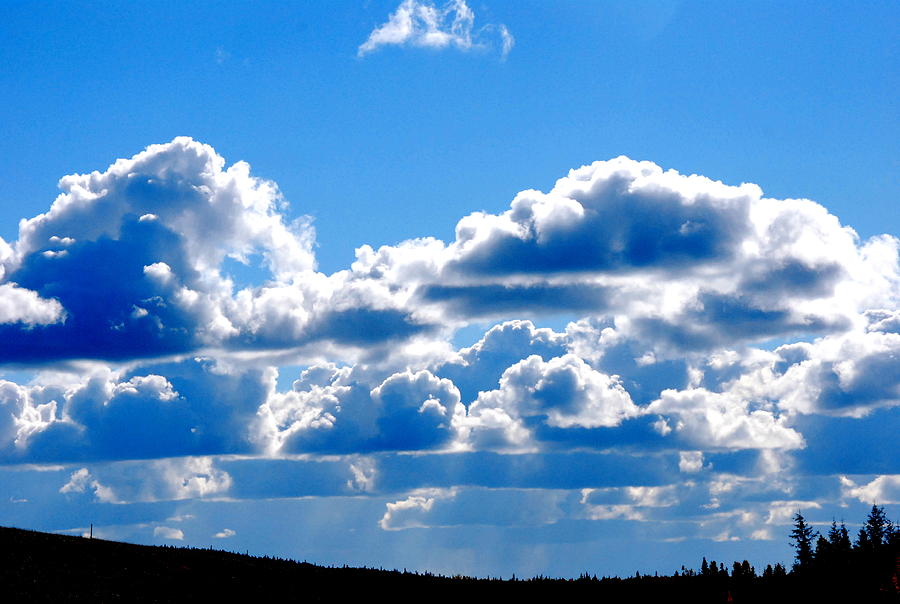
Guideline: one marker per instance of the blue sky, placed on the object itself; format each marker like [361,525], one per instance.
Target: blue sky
[485,287]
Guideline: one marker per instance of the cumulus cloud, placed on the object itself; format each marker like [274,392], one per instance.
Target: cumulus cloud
[511,390]
[690,461]
[850,374]
[566,390]
[133,262]
[684,262]
[198,408]
[412,511]
[225,534]
[421,23]
[184,187]
[150,481]
[338,413]
[880,490]
[883,319]
[19,305]
[713,420]
[479,367]
[711,329]
[188,478]
[134,255]
[674,264]
[81,481]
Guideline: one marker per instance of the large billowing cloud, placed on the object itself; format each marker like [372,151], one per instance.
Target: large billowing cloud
[563,392]
[687,262]
[710,345]
[332,410]
[131,262]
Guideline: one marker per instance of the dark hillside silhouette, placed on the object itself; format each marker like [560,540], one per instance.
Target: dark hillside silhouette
[42,567]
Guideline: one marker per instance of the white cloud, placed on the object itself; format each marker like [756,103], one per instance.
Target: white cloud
[680,263]
[217,211]
[723,421]
[81,481]
[426,508]
[225,534]
[783,512]
[190,478]
[24,412]
[85,412]
[690,461]
[880,490]
[149,481]
[338,413]
[19,305]
[158,227]
[421,23]
[667,279]
[412,512]
[847,375]
[565,389]
[508,40]
[883,319]
[364,474]
[168,533]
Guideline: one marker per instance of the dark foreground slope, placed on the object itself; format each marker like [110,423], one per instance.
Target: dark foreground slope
[41,567]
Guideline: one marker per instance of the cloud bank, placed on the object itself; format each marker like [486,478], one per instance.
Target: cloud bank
[717,345]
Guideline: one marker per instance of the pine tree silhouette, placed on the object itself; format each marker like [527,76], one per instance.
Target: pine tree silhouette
[876,527]
[802,536]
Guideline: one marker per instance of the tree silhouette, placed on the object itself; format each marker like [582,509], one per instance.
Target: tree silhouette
[802,536]
[862,541]
[876,528]
[839,539]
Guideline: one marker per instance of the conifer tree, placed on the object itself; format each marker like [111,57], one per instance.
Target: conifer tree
[839,539]
[834,534]
[876,526]
[862,541]
[802,536]
[892,536]
[822,556]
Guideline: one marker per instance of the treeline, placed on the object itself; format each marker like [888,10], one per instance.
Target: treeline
[827,567]
[39,567]
[871,562]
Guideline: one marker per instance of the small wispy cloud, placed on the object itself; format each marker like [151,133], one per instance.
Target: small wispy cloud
[222,55]
[421,23]
[168,533]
